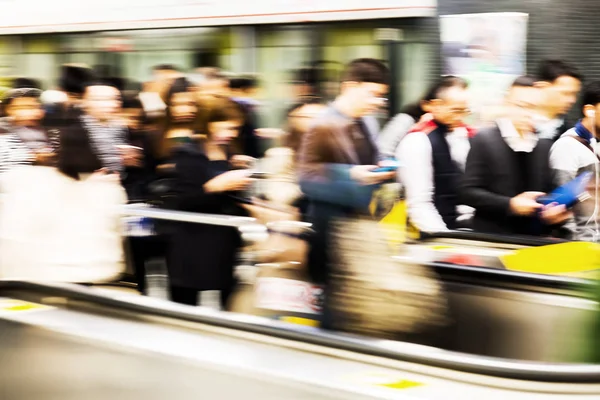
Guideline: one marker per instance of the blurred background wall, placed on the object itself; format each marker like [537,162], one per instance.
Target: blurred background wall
[410,45]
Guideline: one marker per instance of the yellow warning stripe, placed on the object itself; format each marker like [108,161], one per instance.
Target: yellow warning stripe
[12,305]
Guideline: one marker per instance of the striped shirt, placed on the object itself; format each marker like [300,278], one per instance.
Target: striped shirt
[105,139]
[14,152]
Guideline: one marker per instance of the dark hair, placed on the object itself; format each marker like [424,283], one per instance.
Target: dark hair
[180,85]
[218,110]
[243,83]
[366,70]
[306,76]
[443,84]
[303,102]
[524,81]
[211,73]
[415,110]
[132,101]
[165,67]
[102,82]
[74,78]
[591,93]
[26,92]
[75,154]
[21,83]
[551,70]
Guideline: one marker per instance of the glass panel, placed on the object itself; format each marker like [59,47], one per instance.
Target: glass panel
[138,65]
[279,54]
[342,45]
[82,58]
[417,69]
[40,66]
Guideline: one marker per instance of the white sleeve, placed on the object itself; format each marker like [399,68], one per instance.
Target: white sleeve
[416,174]
[563,156]
[393,133]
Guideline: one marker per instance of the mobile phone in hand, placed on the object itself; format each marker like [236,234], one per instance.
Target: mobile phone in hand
[390,168]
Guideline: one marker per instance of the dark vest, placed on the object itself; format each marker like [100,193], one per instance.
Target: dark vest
[446,176]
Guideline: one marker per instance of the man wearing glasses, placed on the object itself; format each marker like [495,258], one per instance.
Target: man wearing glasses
[432,158]
[508,168]
[338,157]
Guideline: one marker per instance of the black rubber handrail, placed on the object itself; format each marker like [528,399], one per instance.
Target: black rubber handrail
[495,367]
[530,241]
[496,277]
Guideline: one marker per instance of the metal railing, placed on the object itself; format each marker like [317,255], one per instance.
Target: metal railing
[156,276]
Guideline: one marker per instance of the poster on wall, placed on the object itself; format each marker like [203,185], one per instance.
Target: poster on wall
[489,51]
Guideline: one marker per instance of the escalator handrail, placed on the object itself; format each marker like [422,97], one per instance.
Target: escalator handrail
[495,367]
[185,216]
[530,241]
[521,278]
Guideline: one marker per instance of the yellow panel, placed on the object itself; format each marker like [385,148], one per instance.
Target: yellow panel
[556,259]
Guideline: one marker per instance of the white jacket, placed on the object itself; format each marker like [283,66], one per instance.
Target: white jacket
[568,159]
[54,228]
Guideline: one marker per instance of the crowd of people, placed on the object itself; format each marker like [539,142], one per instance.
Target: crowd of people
[193,142]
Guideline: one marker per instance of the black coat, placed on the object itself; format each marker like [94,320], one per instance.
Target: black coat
[493,176]
[201,257]
[136,180]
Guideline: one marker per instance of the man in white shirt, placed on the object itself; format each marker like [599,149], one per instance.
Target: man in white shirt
[508,168]
[432,158]
[576,152]
[560,84]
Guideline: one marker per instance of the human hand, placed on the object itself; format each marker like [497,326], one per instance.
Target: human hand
[104,175]
[131,155]
[364,175]
[44,158]
[525,204]
[241,161]
[229,181]
[554,214]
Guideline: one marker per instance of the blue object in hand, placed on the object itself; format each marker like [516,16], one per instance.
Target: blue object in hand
[389,165]
[569,193]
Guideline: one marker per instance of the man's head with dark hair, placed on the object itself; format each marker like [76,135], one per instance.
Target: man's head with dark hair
[366,70]
[305,82]
[522,102]
[74,79]
[417,109]
[524,81]
[244,87]
[243,83]
[21,83]
[551,70]
[364,87]
[447,100]
[591,104]
[561,83]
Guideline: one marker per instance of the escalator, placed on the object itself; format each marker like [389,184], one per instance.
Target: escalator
[508,313]
[69,342]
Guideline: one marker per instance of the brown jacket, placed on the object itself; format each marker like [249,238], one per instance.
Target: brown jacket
[327,142]
[326,156]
